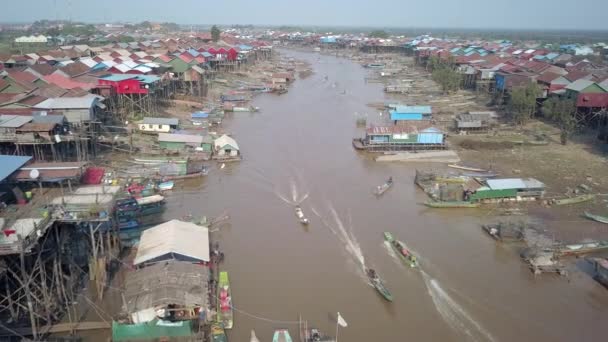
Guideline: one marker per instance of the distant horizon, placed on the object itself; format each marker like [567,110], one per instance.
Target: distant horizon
[329,26]
[432,14]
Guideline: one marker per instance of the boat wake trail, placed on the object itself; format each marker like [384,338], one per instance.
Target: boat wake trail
[295,199]
[454,314]
[391,252]
[345,236]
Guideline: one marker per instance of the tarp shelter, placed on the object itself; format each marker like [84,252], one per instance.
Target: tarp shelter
[10,164]
[174,240]
[178,283]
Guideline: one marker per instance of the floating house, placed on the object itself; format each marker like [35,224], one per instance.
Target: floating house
[179,141]
[173,240]
[410,113]
[200,118]
[416,135]
[158,125]
[507,189]
[226,147]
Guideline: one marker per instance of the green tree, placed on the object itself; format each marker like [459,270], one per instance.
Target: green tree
[444,73]
[522,102]
[563,113]
[378,34]
[215,33]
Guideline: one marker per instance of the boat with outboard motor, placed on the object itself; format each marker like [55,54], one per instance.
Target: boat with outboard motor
[300,215]
[406,255]
[381,189]
[378,284]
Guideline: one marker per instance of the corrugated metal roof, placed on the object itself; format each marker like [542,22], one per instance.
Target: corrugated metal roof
[10,164]
[48,118]
[171,282]
[413,109]
[514,183]
[68,103]
[579,85]
[14,121]
[225,140]
[182,138]
[161,121]
[173,237]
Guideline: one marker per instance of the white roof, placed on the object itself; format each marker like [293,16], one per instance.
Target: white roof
[122,67]
[130,63]
[175,236]
[143,69]
[88,62]
[68,102]
[185,138]
[225,140]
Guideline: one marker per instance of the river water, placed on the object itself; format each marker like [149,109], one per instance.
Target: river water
[298,148]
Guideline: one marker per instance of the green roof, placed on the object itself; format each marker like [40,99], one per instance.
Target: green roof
[151,330]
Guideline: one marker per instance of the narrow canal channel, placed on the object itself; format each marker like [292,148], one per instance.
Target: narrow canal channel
[299,147]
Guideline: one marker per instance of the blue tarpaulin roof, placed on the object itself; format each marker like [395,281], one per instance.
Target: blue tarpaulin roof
[10,164]
[200,115]
[413,109]
[245,47]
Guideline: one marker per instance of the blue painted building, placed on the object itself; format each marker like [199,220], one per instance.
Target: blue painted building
[410,113]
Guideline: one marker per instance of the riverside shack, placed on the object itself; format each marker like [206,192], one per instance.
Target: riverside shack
[507,188]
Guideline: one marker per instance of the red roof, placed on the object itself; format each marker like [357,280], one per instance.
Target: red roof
[43,69]
[547,77]
[576,75]
[186,57]
[67,83]
[22,76]
[592,100]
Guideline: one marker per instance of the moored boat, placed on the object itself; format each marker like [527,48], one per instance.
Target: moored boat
[253,337]
[225,314]
[407,256]
[598,218]
[378,284]
[574,200]
[217,333]
[281,335]
[381,189]
[300,215]
[466,168]
[164,186]
[451,204]
[581,248]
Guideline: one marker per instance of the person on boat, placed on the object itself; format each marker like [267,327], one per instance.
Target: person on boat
[372,273]
[390,179]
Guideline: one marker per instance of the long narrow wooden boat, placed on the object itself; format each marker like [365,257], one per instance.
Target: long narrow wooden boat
[581,248]
[281,335]
[466,168]
[217,333]
[407,256]
[224,313]
[300,215]
[381,189]
[574,200]
[253,337]
[378,284]
[451,204]
[598,218]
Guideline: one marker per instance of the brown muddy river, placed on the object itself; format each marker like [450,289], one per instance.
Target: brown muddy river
[299,148]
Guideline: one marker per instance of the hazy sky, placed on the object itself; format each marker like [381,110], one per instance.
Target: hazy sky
[560,14]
